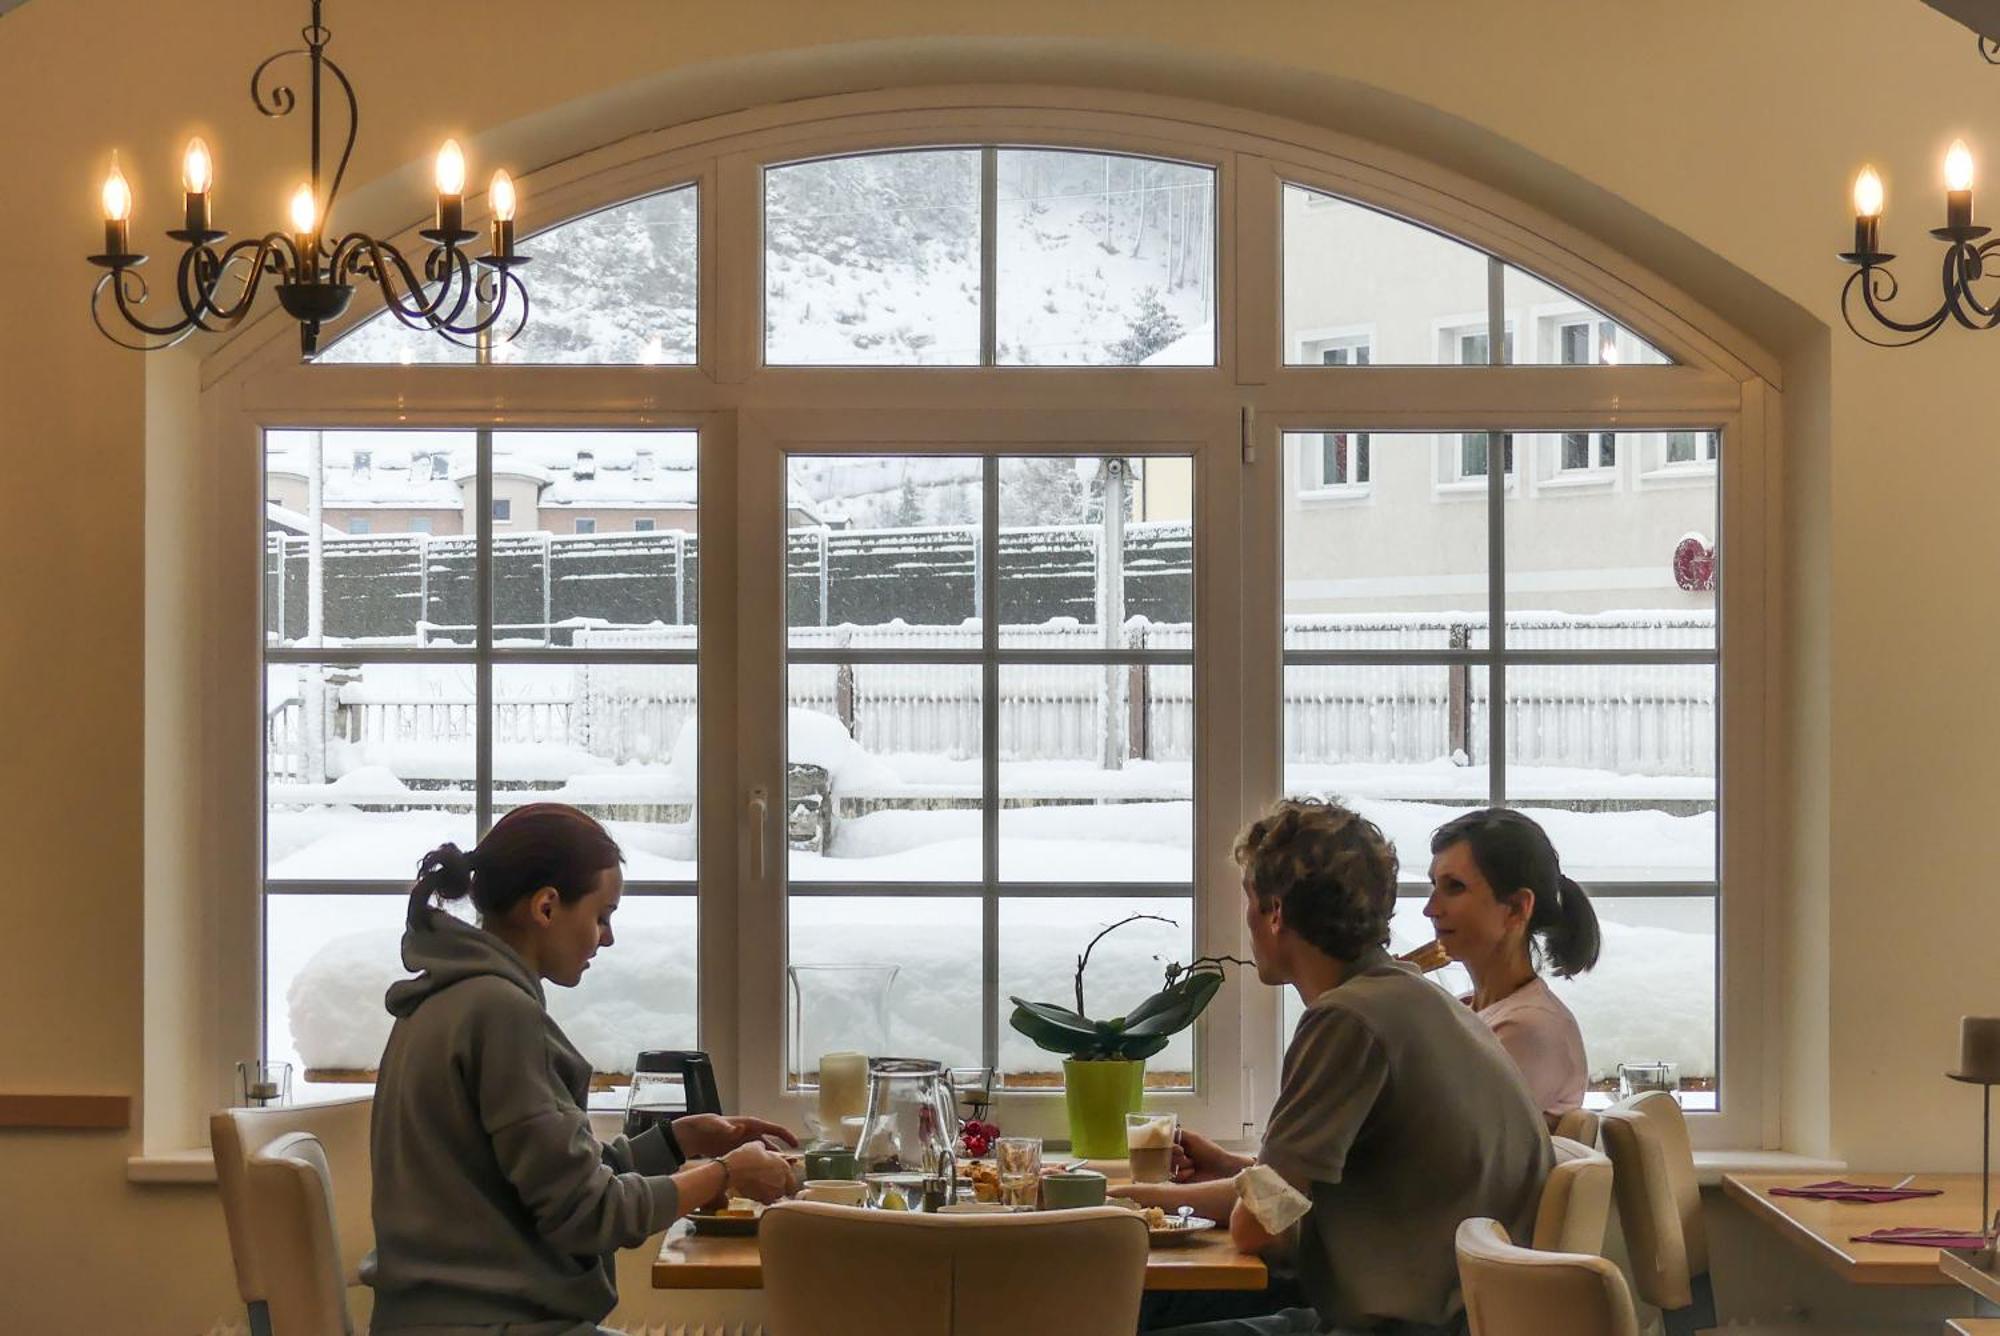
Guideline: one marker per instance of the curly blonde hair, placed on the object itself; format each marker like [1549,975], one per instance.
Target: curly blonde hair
[1329,867]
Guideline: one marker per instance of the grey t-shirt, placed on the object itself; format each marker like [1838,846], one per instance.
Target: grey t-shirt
[1401,1116]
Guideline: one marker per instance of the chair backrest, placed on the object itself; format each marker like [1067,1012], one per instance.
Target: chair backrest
[1512,1291]
[1578,1125]
[844,1271]
[341,1127]
[1576,1201]
[291,1203]
[1659,1201]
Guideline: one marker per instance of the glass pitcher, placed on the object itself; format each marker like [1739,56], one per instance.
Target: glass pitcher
[911,1122]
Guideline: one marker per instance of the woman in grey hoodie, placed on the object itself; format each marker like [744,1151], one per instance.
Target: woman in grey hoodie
[496,1209]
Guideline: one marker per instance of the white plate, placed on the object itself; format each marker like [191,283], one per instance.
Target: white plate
[1177,1232]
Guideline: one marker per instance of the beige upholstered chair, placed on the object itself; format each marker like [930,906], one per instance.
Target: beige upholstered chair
[1578,1125]
[291,1201]
[1659,1206]
[1576,1201]
[1512,1291]
[341,1127]
[844,1271]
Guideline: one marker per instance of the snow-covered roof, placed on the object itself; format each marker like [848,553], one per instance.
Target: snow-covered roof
[285,520]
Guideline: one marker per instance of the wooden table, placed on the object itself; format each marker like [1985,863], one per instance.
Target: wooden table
[693,1262]
[1826,1228]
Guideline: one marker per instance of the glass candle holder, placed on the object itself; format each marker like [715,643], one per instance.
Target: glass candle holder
[259,1084]
[1635,1078]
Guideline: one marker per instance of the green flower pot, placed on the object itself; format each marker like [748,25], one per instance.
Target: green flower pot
[1100,1093]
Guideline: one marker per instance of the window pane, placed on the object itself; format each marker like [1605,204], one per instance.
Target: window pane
[367,768]
[873,260]
[1040,940]
[1618,762]
[1354,271]
[883,772]
[1096,773]
[383,339]
[617,740]
[1630,568]
[933,941]
[1402,568]
[618,286]
[1553,328]
[329,959]
[382,577]
[1104,260]
[883,551]
[1652,995]
[1405,746]
[611,584]
[1060,516]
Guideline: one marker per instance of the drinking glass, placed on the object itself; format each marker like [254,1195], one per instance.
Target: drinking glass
[1149,1141]
[1637,1077]
[262,1083]
[1018,1161]
[655,1097]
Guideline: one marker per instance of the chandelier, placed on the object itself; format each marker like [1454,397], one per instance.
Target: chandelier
[456,295]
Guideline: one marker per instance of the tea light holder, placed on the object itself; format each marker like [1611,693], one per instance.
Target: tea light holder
[262,1084]
[1979,1064]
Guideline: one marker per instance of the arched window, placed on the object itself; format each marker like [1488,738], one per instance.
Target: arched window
[1079,495]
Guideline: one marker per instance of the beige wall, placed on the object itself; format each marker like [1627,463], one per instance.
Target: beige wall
[1711,138]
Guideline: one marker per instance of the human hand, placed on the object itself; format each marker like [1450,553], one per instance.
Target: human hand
[712,1134]
[1199,1160]
[756,1172]
[1428,957]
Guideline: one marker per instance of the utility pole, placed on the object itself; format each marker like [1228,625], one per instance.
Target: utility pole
[1111,614]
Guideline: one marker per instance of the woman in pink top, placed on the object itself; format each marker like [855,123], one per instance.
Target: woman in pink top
[1502,907]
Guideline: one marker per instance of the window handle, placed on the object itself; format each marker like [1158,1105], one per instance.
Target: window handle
[760,808]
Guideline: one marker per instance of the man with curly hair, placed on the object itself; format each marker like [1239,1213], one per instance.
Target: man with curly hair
[1398,1114]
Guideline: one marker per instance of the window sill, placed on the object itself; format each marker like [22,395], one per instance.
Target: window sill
[171,1166]
[1321,496]
[1711,1165]
[1473,487]
[1594,480]
[1691,474]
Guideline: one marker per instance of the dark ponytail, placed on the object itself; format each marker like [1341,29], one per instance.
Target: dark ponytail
[542,844]
[1513,853]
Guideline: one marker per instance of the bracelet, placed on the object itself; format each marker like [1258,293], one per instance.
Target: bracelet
[723,1192]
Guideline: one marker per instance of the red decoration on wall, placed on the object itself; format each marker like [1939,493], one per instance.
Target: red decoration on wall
[1694,565]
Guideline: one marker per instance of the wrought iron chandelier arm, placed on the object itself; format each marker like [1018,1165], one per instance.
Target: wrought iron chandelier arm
[358,255]
[1864,281]
[273,253]
[129,290]
[1965,265]
[1989,47]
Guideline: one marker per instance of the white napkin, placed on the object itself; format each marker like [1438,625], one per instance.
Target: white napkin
[1275,1204]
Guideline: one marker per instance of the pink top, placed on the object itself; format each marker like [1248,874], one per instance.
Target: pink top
[1542,1037]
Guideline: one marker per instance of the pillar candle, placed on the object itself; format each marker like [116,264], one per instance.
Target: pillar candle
[1979,1048]
[843,1089]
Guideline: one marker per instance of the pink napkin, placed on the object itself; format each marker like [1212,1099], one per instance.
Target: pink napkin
[1839,1189]
[1917,1236]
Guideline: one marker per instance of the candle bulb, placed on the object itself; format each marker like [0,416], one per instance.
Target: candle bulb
[1958,185]
[197,175]
[305,231]
[450,190]
[117,196]
[501,192]
[1867,212]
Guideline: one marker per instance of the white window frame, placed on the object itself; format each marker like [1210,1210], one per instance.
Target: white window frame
[584,524]
[1720,381]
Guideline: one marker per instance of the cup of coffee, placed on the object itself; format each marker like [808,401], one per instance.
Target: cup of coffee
[835,1191]
[1149,1140]
[836,1162]
[1068,1188]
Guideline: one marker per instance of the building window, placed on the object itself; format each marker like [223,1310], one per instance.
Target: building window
[1588,342]
[431,736]
[585,524]
[503,510]
[1691,447]
[643,524]
[420,524]
[1082,621]
[356,524]
[1475,447]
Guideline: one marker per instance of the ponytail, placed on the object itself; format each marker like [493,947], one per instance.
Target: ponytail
[444,874]
[542,844]
[1570,940]
[1514,854]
